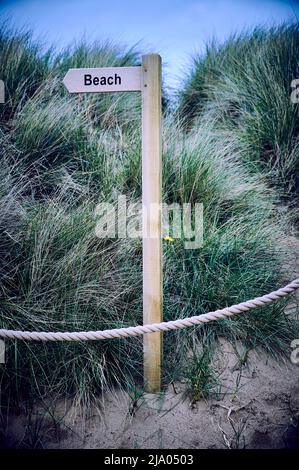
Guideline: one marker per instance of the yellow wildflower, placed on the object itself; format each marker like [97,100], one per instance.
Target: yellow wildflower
[168,239]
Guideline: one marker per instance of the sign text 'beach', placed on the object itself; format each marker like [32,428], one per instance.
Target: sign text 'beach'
[104,79]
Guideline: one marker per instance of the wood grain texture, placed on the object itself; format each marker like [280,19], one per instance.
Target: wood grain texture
[151,198]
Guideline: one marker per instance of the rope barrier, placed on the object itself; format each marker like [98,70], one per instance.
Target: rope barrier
[154,327]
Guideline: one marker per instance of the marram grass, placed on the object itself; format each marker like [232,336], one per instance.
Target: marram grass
[60,156]
[245,84]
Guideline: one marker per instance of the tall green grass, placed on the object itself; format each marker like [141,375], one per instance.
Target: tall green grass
[60,156]
[23,67]
[245,84]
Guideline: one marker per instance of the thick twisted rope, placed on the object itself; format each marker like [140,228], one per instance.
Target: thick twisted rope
[154,327]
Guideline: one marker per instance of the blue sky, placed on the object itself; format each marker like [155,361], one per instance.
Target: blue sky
[174,28]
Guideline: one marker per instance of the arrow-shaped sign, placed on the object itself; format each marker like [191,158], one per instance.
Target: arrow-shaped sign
[103,79]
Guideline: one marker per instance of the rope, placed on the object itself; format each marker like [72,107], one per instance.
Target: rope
[154,327]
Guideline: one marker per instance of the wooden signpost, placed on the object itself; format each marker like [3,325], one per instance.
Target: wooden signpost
[147,80]
[151,199]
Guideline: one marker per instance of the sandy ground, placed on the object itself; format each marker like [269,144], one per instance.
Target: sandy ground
[258,408]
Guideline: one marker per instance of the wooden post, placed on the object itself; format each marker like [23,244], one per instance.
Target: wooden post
[151,199]
[146,79]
